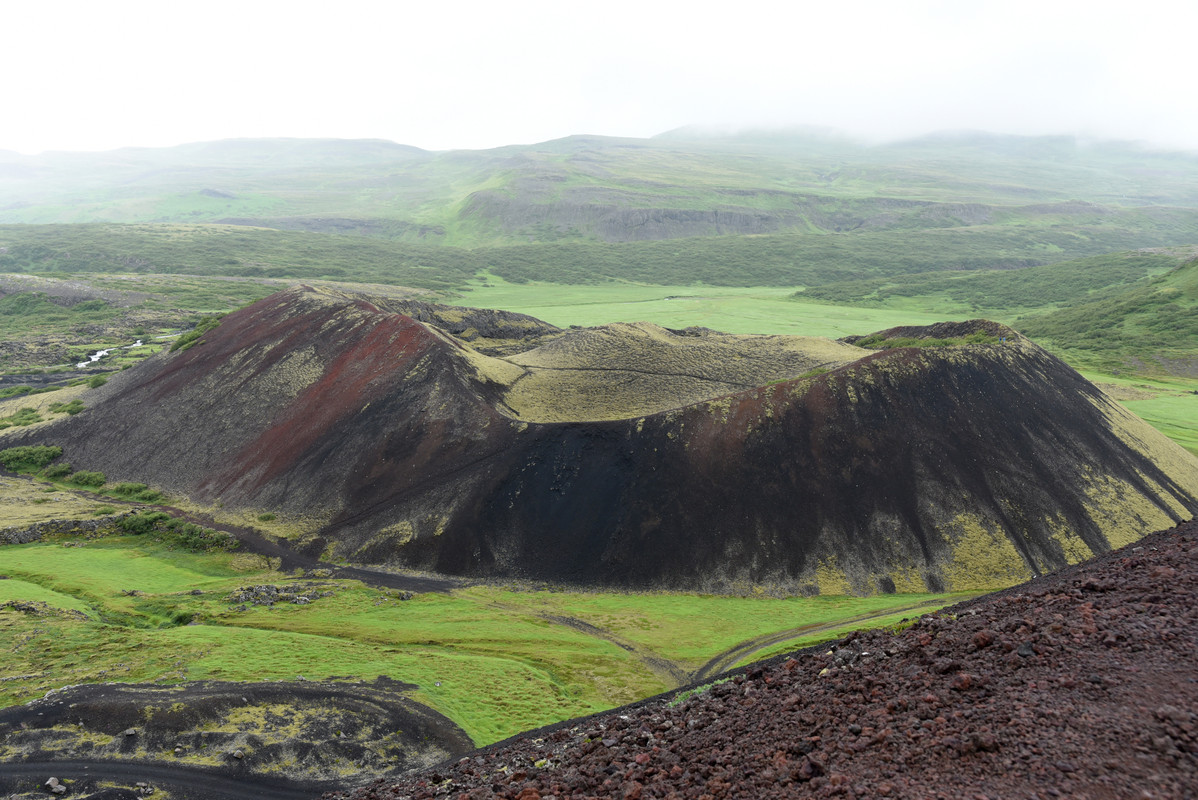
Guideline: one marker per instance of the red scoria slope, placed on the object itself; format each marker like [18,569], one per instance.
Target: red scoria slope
[1079,684]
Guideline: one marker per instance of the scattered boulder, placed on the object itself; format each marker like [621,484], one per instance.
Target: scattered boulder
[269,594]
[56,527]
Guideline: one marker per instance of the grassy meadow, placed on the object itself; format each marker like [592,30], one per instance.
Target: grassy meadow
[495,660]
[1167,403]
[730,309]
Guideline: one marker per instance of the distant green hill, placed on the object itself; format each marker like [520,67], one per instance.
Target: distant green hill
[588,188]
[1110,312]
[230,250]
[1154,319]
[1038,287]
[776,260]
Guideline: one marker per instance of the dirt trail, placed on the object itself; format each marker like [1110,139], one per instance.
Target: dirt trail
[726,659]
[669,671]
[183,783]
[675,675]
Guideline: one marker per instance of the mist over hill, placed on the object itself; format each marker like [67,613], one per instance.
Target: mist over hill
[594,188]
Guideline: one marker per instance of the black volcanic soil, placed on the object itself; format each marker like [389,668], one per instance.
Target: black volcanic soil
[1078,684]
[245,737]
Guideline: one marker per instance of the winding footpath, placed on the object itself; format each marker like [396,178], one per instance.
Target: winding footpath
[183,783]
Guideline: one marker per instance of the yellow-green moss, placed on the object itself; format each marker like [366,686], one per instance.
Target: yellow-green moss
[18,507]
[830,579]
[907,580]
[626,370]
[1121,512]
[982,557]
[41,404]
[1170,457]
[401,533]
[1072,545]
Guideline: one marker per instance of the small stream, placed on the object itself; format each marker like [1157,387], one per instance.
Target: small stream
[96,356]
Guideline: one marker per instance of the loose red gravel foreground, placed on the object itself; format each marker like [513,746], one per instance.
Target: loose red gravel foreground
[1083,683]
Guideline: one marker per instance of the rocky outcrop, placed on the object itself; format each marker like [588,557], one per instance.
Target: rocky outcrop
[69,527]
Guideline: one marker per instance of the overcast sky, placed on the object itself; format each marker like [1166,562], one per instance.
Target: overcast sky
[102,74]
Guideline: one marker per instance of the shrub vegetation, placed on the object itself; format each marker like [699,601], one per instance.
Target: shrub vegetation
[87,478]
[29,458]
[136,491]
[190,338]
[165,528]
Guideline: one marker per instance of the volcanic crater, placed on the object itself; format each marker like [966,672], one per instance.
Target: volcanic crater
[487,444]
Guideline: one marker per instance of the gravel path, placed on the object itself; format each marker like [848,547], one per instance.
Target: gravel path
[87,778]
[1078,684]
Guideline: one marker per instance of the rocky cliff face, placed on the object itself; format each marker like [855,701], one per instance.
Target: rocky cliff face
[651,458]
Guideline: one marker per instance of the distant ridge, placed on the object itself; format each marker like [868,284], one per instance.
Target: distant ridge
[683,183]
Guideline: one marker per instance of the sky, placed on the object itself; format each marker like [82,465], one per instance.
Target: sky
[104,74]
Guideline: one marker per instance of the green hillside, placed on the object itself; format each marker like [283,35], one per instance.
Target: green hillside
[787,259]
[229,250]
[605,189]
[1153,319]
[1006,290]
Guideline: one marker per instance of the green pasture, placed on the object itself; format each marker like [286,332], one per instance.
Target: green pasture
[831,632]
[1168,403]
[1175,415]
[491,659]
[13,589]
[724,308]
[690,629]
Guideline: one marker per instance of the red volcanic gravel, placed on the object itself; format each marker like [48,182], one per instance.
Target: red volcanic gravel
[1083,683]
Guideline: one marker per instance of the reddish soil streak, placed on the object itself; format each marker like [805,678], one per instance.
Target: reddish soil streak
[364,369]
